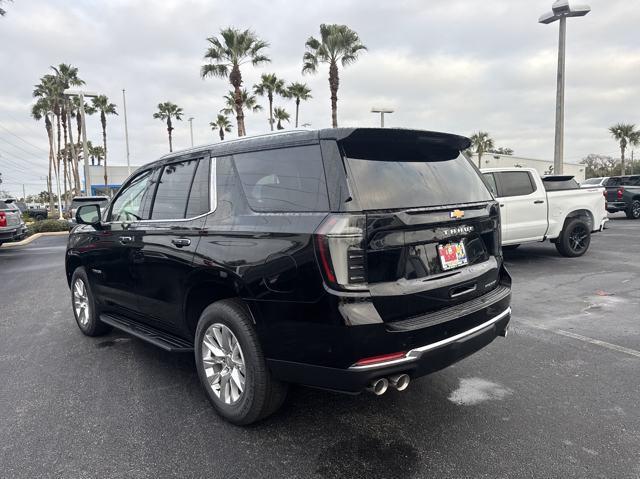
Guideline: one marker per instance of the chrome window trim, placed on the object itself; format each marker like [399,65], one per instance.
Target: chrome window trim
[213,198]
[416,353]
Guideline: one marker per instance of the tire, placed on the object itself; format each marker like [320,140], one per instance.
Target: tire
[261,394]
[87,317]
[633,212]
[39,218]
[575,238]
[510,247]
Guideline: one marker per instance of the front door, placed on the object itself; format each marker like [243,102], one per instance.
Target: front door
[523,207]
[111,269]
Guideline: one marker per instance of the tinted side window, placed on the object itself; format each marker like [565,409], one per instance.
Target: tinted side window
[199,194]
[516,183]
[128,205]
[632,181]
[286,179]
[172,192]
[490,181]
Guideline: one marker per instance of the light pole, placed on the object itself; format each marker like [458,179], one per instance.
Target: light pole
[382,111]
[560,10]
[126,131]
[191,129]
[85,148]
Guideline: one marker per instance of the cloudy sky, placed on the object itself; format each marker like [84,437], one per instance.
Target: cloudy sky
[449,65]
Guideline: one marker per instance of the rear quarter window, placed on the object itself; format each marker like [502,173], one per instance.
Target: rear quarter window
[284,179]
[516,183]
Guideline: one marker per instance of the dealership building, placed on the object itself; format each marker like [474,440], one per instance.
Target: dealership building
[544,167]
[116,175]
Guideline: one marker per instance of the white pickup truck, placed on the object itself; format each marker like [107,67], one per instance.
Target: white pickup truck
[551,208]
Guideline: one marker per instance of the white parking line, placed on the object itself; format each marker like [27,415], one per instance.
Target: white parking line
[597,342]
[585,339]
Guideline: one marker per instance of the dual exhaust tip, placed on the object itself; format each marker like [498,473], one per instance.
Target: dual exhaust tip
[398,381]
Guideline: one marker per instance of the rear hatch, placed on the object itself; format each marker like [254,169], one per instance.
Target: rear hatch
[424,234]
[9,215]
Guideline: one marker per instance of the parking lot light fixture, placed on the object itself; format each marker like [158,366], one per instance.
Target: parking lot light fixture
[382,111]
[85,149]
[560,10]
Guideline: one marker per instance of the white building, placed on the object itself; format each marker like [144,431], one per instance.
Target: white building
[116,175]
[544,167]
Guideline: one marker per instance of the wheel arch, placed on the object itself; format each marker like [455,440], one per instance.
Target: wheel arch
[584,214]
[72,263]
[207,288]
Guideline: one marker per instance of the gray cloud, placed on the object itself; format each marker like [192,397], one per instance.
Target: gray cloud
[451,65]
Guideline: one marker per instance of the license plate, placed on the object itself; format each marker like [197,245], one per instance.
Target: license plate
[452,255]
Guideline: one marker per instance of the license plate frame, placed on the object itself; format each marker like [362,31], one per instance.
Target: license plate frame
[452,255]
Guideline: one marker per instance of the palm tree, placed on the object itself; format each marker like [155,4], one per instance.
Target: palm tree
[42,109]
[3,12]
[299,91]
[226,54]
[625,134]
[281,115]
[338,43]
[270,84]
[221,124]
[102,104]
[250,102]
[167,111]
[482,143]
[66,77]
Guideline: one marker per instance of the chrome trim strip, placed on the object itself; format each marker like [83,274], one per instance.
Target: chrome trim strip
[415,353]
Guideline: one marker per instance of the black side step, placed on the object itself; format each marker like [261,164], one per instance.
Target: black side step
[163,340]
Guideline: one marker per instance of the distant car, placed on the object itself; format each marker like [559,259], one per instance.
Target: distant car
[594,182]
[12,227]
[623,194]
[37,214]
[78,201]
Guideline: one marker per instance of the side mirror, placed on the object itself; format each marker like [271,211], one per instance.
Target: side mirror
[88,215]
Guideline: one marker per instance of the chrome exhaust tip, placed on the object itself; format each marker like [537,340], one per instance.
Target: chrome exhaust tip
[400,381]
[378,386]
[504,332]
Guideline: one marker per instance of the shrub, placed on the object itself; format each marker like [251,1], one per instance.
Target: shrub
[47,226]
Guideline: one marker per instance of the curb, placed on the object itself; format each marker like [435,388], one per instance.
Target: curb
[33,238]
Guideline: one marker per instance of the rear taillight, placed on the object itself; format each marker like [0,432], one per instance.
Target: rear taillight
[3,219]
[340,251]
[620,192]
[380,359]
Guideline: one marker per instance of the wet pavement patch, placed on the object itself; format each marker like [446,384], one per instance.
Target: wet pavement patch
[474,391]
[367,457]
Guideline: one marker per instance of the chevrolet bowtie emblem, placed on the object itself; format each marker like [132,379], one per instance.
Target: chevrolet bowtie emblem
[457,214]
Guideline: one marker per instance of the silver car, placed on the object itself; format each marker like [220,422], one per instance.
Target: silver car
[12,227]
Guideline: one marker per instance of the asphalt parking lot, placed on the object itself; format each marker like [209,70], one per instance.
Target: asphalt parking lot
[558,398]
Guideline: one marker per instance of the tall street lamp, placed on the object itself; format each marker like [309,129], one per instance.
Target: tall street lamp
[191,129]
[382,111]
[85,149]
[560,10]
[126,131]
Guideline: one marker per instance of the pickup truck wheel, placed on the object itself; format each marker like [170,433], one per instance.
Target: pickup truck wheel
[84,306]
[231,365]
[574,239]
[633,212]
[39,217]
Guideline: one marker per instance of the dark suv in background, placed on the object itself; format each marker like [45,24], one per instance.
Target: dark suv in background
[346,259]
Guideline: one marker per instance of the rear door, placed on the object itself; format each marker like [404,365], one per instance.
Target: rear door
[432,238]
[169,238]
[523,205]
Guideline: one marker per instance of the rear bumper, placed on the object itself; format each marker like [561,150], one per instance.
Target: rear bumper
[13,233]
[614,206]
[418,361]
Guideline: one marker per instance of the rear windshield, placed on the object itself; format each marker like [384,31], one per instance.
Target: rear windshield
[553,184]
[411,184]
[88,201]
[7,206]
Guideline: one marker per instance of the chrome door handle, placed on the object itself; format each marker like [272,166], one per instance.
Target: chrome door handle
[181,242]
[125,239]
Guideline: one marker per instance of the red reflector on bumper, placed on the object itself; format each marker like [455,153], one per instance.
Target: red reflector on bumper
[380,359]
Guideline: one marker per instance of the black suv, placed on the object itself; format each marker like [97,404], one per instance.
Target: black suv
[345,259]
